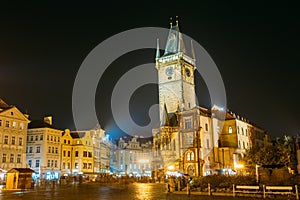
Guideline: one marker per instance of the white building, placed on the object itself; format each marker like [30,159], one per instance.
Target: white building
[43,149]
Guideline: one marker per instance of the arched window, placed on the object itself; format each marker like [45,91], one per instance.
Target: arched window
[188,156]
[192,156]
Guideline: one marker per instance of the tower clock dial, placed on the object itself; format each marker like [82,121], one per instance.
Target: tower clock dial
[169,71]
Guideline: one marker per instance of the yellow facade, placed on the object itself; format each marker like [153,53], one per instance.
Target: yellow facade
[77,153]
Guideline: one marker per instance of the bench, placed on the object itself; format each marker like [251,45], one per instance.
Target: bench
[246,189]
[282,190]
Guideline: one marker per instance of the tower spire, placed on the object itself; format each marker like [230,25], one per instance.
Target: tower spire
[157,49]
[176,20]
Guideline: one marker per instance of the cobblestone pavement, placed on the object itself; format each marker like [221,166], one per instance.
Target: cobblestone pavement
[91,191]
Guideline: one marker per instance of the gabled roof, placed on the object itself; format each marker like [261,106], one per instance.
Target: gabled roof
[3,104]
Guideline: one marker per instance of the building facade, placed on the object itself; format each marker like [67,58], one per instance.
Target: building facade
[85,152]
[132,157]
[43,149]
[13,131]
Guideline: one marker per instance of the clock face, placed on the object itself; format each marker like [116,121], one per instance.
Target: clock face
[169,71]
[187,72]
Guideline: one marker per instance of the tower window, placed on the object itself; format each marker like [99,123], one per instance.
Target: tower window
[229,129]
[188,123]
[206,127]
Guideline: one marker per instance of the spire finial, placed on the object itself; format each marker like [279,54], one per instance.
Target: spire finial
[171,21]
[177,20]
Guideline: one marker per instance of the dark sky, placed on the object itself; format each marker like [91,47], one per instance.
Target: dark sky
[255,46]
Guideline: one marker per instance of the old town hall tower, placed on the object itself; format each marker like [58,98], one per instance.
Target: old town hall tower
[175,75]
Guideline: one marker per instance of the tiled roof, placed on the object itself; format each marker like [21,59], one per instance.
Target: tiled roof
[21,170]
[40,124]
[76,134]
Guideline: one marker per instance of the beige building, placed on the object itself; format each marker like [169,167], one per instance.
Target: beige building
[101,146]
[13,131]
[43,149]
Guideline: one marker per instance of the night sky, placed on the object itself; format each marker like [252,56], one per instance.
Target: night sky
[255,46]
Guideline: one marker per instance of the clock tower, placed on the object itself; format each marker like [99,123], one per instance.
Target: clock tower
[175,75]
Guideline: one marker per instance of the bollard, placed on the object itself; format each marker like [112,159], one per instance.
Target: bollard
[188,191]
[209,191]
[296,191]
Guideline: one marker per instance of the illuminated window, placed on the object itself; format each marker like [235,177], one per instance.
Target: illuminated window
[19,158]
[84,165]
[5,139]
[188,156]
[192,156]
[76,166]
[229,129]
[4,158]
[14,124]
[13,140]
[21,126]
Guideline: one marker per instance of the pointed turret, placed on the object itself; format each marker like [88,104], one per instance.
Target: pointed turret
[157,49]
[165,117]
